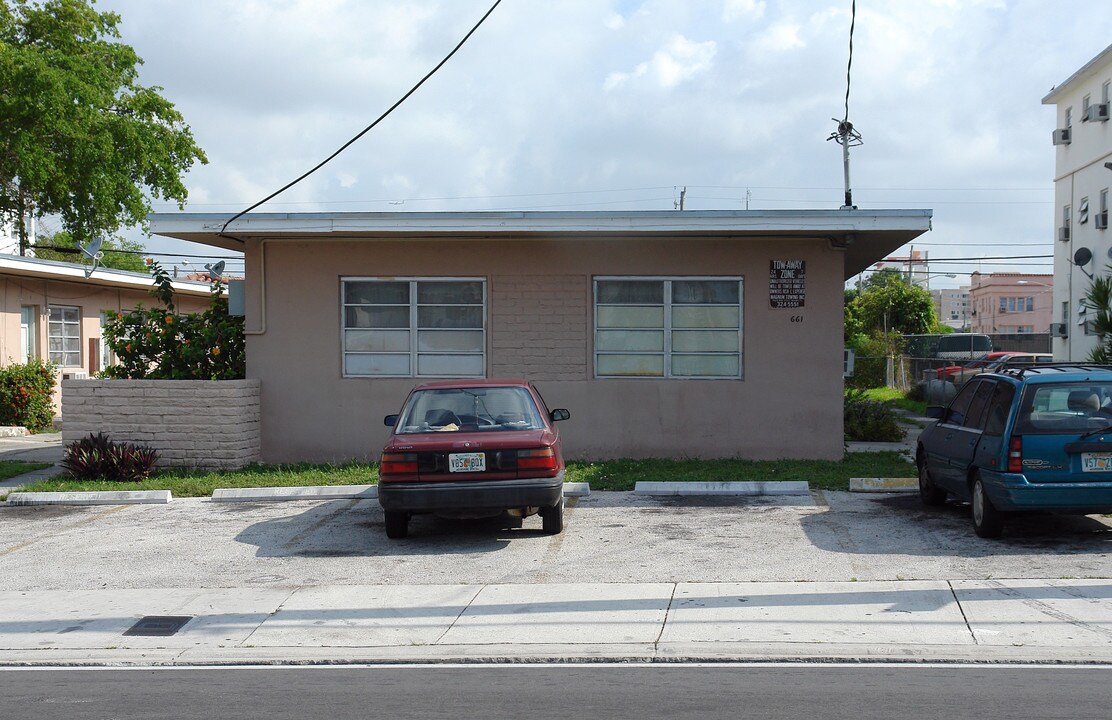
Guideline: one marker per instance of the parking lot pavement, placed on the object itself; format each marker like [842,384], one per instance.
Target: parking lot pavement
[608,537]
[830,575]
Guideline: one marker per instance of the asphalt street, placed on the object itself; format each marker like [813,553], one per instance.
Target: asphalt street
[561,692]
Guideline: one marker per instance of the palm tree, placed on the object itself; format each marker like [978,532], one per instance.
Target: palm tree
[1099,299]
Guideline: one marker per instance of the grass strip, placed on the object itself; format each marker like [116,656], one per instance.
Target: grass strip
[897,398]
[602,475]
[821,474]
[11,468]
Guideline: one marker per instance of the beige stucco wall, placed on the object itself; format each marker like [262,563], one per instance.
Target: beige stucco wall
[17,291]
[211,424]
[539,315]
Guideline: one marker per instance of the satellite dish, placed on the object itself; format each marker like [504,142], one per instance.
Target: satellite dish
[1082,258]
[93,252]
[216,271]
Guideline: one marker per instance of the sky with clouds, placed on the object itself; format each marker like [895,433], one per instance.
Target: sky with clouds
[619,104]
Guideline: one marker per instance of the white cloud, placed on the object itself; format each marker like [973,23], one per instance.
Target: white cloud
[734,9]
[590,99]
[780,37]
[680,60]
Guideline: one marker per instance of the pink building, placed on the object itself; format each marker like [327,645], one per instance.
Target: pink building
[1010,303]
[667,334]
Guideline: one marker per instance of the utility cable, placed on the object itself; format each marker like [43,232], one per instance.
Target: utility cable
[364,131]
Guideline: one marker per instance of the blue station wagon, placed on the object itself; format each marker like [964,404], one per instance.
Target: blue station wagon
[1028,438]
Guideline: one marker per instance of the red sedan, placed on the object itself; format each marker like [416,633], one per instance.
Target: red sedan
[470,449]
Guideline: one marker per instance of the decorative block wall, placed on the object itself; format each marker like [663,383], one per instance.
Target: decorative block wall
[209,424]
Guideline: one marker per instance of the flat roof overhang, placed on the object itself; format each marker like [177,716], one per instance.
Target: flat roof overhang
[102,276]
[865,235]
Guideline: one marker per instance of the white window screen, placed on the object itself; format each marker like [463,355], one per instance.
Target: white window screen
[414,327]
[670,327]
[64,335]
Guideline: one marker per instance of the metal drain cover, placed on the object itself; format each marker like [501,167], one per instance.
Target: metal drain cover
[159,625]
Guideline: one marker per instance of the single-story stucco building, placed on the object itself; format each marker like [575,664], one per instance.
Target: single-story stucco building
[51,310]
[689,333]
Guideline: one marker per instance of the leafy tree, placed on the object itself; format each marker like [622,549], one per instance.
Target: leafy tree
[160,344]
[47,248]
[79,137]
[1099,299]
[892,304]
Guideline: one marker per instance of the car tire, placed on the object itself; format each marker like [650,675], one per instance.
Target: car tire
[552,518]
[988,522]
[930,494]
[397,524]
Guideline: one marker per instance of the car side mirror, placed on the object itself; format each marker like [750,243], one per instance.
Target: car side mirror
[935,411]
[390,420]
[559,414]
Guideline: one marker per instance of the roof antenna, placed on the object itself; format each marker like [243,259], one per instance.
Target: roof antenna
[845,135]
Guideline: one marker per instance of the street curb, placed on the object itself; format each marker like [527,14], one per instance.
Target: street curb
[120,497]
[884,485]
[750,488]
[322,492]
[583,654]
[314,492]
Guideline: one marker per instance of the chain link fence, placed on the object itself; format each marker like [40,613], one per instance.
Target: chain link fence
[919,375]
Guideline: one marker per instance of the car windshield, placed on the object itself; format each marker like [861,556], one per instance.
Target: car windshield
[469,409]
[1066,408]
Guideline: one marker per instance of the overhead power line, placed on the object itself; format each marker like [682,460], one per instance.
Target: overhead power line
[365,130]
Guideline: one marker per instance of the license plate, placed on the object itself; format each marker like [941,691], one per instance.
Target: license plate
[1096,462]
[467,462]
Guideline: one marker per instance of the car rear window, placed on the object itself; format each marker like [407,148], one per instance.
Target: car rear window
[469,409]
[1064,408]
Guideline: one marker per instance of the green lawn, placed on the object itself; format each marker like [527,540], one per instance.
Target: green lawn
[897,398]
[607,475]
[11,468]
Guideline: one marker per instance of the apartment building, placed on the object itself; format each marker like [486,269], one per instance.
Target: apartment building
[1082,140]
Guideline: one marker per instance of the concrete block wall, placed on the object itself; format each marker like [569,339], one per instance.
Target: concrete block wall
[539,327]
[208,424]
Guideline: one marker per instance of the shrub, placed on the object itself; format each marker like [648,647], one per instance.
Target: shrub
[96,457]
[869,420]
[25,395]
[160,344]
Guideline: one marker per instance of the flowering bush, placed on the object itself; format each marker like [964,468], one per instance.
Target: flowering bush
[159,344]
[25,392]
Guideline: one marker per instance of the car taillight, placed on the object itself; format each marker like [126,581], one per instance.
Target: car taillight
[398,464]
[538,459]
[1015,455]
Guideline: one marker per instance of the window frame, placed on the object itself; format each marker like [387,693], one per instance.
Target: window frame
[50,336]
[667,328]
[413,327]
[29,332]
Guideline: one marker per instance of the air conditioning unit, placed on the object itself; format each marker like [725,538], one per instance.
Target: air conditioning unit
[847,362]
[1097,113]
[1060,330]
[76,375]
[1100,220]
[1064,233]
[1061,136]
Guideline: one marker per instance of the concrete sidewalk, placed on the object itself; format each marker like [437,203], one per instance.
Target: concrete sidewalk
[1016,621]
[41,448]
